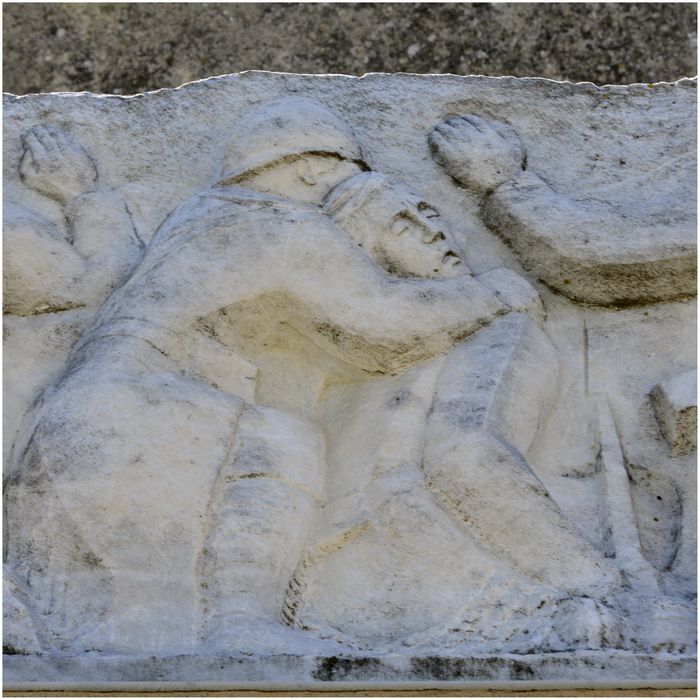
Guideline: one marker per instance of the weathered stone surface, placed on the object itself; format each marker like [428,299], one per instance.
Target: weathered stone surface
[266,405]
[606,249]
[391,671]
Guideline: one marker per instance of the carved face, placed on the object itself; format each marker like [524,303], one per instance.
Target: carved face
[415,239]
[403,233]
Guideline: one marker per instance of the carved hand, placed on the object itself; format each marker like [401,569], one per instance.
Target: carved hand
[55,164]
[478,153]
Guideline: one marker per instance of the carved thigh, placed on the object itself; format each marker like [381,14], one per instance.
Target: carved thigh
[108,508]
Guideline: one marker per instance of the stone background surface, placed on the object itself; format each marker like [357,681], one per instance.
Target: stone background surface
[129,48]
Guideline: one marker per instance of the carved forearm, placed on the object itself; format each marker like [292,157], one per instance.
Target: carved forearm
[104,235]
[378,322]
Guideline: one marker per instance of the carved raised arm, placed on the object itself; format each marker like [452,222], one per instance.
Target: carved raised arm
[56,165]
[102,244]
[103,233]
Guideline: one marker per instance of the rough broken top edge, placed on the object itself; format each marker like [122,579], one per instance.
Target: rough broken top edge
[545,82]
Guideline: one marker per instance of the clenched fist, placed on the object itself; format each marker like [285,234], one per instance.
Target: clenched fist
[478,153]
[55,164]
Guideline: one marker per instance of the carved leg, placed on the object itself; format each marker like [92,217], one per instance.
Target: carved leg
[490,398]
[106,505]
[486,484]
[261,511]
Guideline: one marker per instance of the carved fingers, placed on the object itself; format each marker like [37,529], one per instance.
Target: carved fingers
[54,164]
[478,153]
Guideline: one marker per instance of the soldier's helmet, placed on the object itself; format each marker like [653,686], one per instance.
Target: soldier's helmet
[285,130]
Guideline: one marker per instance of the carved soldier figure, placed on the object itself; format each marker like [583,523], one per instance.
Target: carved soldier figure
[174,491]
[142,488]
[459,425]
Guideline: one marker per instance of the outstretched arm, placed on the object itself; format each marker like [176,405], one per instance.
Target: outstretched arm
[380,323]
[487,158]
[586,250]
[104,235]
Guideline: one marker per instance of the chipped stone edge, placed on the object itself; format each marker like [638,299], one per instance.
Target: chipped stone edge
[497,81]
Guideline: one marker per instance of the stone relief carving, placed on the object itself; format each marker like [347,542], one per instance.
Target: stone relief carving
[586,248]
[296,421]
[78,266]
[676,411]
[56,266]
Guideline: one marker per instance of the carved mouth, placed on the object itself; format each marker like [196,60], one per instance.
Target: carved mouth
[451,258]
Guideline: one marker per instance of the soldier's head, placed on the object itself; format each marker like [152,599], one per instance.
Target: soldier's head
[294,148]
[398,229]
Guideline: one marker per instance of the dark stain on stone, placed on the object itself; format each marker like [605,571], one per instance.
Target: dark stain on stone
[463,414]
[398,398]
[92,560]
[439,668]
[337,668]
[331,332]
[521,671]
[10,650]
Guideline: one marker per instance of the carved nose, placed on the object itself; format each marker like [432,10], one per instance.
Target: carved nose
[434,236]
[308,179]
[451,258]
